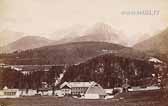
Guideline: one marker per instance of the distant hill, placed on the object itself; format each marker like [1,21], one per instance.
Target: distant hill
[156,45]
[7,36]
[99,32]
[70,53]
[27,42]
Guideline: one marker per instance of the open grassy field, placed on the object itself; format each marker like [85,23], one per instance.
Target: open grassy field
[128,99]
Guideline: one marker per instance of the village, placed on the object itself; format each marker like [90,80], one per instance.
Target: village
[79,90]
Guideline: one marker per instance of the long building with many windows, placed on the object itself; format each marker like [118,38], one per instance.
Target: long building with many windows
[83,89]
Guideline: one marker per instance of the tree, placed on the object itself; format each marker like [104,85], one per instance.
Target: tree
[164,80]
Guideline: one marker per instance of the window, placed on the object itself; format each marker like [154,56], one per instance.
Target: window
[9,93]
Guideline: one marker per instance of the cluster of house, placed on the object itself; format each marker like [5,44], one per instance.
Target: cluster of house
[82,90]
[85,90]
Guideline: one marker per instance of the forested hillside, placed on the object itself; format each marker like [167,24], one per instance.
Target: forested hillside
[70,53]
[108,70]
[112,71]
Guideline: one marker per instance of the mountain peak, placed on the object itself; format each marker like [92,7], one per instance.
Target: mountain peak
[104,32]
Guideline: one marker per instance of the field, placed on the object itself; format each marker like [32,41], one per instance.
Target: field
[127,99]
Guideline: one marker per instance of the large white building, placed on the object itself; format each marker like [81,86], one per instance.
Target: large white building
[9,93]
[87,90]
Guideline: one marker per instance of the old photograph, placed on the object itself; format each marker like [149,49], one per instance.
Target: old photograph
[83,52]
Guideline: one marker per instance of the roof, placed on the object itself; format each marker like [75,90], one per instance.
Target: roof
[5,88]
[66,87]
[96,89]
[77,84]
[155,60]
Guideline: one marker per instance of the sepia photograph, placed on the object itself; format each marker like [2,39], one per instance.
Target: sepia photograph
[83,52]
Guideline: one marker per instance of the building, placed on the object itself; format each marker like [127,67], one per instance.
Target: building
[148,88]
[2,65]
[95,91]
[9,93]
[66,88]
[45,91]
[28,92]
[75,88]
[88,90]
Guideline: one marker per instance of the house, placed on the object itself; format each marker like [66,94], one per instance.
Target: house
[28,92]
[58,93]
[9,93]
[113,91]
[45,91]
[155,60]
[148,88]
[2,65]
[95,91]
[75,88]
[66,88]
[109,91]
[87,90]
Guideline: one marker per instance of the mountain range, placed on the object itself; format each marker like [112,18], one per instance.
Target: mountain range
[100,38]
[99,32]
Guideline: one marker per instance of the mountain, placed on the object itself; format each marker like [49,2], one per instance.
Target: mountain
[27,42]
[139,37]
[156,45]
[7,36]
[70,53]
[99,32]
[68,33]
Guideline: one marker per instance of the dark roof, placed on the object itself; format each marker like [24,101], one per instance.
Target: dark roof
[65,87]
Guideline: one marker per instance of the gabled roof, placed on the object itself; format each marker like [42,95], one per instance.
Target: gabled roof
[96,89]
[77,84]
[5,88]
[66,87]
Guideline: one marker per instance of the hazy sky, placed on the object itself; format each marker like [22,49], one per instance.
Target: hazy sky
[47,16]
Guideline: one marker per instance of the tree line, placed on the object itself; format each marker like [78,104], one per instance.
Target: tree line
[33,80]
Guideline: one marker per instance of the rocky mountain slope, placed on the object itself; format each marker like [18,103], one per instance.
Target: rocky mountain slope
[99,32]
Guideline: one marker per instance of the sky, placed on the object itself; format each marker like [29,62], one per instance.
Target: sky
[42,17]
